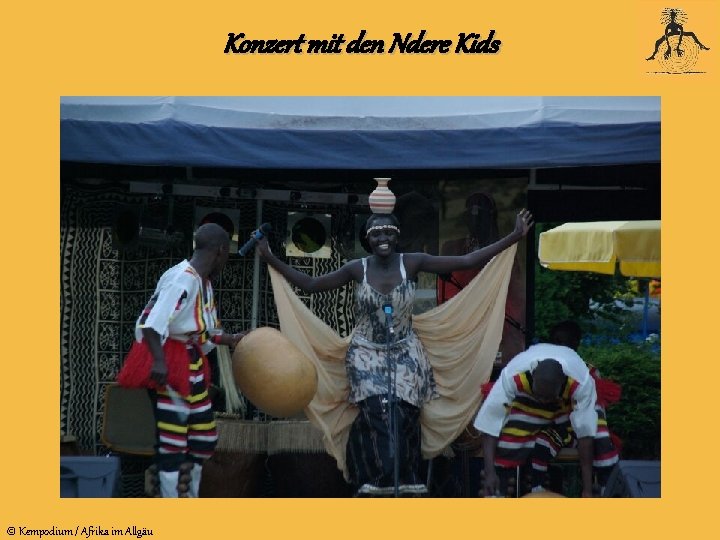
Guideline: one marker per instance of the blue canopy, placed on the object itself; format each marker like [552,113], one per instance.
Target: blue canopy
[361,132]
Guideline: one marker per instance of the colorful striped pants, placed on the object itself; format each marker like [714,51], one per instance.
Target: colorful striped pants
[186,428]
[536,432]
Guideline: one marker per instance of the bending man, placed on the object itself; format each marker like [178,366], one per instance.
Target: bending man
[544,398]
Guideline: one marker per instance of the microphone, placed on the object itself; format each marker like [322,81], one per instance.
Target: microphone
[262,232]
[387,308]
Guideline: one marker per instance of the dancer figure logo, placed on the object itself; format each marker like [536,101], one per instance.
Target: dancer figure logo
[678,49]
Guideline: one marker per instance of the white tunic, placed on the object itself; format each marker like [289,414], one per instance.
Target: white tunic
[583,417]
[182,307]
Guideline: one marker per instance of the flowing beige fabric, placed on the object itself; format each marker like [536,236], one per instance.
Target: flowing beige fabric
[461,338]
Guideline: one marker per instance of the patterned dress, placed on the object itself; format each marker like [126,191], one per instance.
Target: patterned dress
[366,361]
[370,454]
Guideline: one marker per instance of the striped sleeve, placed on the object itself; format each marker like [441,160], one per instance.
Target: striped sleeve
[165,304]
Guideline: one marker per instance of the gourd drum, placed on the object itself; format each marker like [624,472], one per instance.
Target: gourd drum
[542,495]
[273,373]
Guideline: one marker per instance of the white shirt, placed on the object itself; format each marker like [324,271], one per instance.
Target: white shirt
[583,418]
[181,308]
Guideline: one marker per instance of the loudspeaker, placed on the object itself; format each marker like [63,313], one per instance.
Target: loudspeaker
[634,479]
[147,225]
[227,218]
[308,235]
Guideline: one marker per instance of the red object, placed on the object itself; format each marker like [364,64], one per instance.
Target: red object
[485,389]
[135,372]
[448,286]
[608,392]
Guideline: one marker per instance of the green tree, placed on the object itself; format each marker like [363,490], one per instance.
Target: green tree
[591,300]
[636,417]
[585,297]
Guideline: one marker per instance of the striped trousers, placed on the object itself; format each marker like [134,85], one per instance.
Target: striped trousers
[186,429]
[536,432]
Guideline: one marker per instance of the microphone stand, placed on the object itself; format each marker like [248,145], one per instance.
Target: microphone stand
[392,399]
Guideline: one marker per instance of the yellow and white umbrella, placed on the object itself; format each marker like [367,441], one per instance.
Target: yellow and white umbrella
[632,247]
[602,246]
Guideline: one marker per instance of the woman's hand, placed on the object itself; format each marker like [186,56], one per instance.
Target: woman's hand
[263,249]
[523,222]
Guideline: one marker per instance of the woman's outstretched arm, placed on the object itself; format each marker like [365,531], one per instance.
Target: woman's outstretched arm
[348,272]
[421,262]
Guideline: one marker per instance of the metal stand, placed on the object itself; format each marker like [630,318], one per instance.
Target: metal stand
[392,399]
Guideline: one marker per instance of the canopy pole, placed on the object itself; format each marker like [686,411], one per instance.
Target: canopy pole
[256,270]
[646,307]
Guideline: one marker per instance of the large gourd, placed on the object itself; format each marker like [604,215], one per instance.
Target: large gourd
[273,373]
[543,495]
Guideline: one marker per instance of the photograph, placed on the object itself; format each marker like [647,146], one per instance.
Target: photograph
[375,262]
[397,266]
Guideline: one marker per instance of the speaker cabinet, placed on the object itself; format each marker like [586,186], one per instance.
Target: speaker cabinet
[308,235]
[634,479]
[227,218]
[149,225]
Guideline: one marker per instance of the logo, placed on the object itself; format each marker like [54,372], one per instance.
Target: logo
[678,49]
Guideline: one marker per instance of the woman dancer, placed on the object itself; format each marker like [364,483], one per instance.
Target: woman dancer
[386,282]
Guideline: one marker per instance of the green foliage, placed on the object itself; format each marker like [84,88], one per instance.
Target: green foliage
[636,417]
[590,299]
[563,295]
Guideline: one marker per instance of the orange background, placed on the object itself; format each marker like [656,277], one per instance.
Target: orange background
[161,48]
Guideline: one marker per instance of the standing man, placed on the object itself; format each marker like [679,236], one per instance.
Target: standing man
[173,335]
